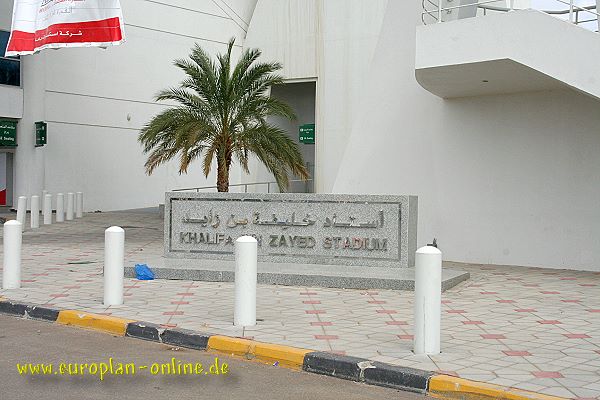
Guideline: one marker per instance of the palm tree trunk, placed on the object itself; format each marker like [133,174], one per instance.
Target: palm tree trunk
[222,178]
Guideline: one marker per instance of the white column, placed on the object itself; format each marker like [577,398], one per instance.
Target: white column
[70,205]
[47,209]
[22,209]
[60,207]
[35,212]
[79,205]
[13,239]
[246,252]
[114,265]
[428,300]
[29,161]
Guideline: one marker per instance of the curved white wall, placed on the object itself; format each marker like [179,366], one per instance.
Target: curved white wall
[508,179]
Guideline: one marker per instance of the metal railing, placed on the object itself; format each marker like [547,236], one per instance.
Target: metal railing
[245,186]
[434,11]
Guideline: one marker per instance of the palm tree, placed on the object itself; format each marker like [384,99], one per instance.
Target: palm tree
[222,114]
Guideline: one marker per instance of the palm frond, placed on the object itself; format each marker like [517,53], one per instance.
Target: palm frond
[278,152]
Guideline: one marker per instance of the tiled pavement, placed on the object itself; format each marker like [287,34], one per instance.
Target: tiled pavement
[535,329]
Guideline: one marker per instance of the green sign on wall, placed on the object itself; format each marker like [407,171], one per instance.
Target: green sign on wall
[8,133]
[307,133]
[41,132]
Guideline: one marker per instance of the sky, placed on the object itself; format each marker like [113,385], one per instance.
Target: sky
[556,5]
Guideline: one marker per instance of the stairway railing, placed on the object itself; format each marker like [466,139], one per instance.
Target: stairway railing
[243,187]
[434,11]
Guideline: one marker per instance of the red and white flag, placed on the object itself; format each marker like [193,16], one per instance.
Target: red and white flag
[43,24]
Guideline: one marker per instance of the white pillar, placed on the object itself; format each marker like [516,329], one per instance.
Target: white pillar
[47,209]
[428,300]
[246,252]
[79,205]
[29,161]
[44,193]
[13,239]
[70,205]
[35,212]
[22,210]
[60,207]
[114,265]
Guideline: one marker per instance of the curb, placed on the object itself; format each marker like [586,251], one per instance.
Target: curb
[28,310]
[322,363]
[451,387]
[177,337]
[286,356]
[103,323]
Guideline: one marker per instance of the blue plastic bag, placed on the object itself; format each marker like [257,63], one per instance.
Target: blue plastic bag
[143,273]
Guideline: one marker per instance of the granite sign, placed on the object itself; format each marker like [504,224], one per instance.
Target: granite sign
[294,228]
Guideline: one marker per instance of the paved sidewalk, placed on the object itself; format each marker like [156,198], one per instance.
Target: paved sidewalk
[534,329]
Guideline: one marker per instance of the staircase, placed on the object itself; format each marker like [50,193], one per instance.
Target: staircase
[507,52]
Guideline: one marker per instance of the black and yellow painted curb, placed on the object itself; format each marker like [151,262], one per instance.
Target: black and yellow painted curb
[339,366]
[451,387]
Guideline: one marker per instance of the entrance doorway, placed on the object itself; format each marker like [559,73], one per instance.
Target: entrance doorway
[6,178]
[301,97]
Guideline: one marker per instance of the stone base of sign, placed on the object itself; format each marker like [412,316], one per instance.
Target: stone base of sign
[306,275]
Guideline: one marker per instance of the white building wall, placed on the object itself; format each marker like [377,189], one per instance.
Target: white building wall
[331,41]
[287,32]
[350,32]
[11,101]
[95,101]
[508,179]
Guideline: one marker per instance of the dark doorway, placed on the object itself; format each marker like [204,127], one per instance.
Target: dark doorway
[301,97]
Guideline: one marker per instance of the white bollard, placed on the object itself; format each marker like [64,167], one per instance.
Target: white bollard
[22,209]
[428,300]
[70,205]
[13,239]
[35,212]
[246,252]
[47,209]
[60,207]
[114,265]
[79,204]
[44,193]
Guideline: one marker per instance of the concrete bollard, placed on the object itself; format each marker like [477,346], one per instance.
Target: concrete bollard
[60,207]
[70,205]
[79,205]
[35,212]
[114,265]
[47,209]
[428,300]
[13,239]
[246,252]
[22,210]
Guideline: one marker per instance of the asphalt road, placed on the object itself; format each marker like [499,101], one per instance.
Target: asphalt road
[26,341]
